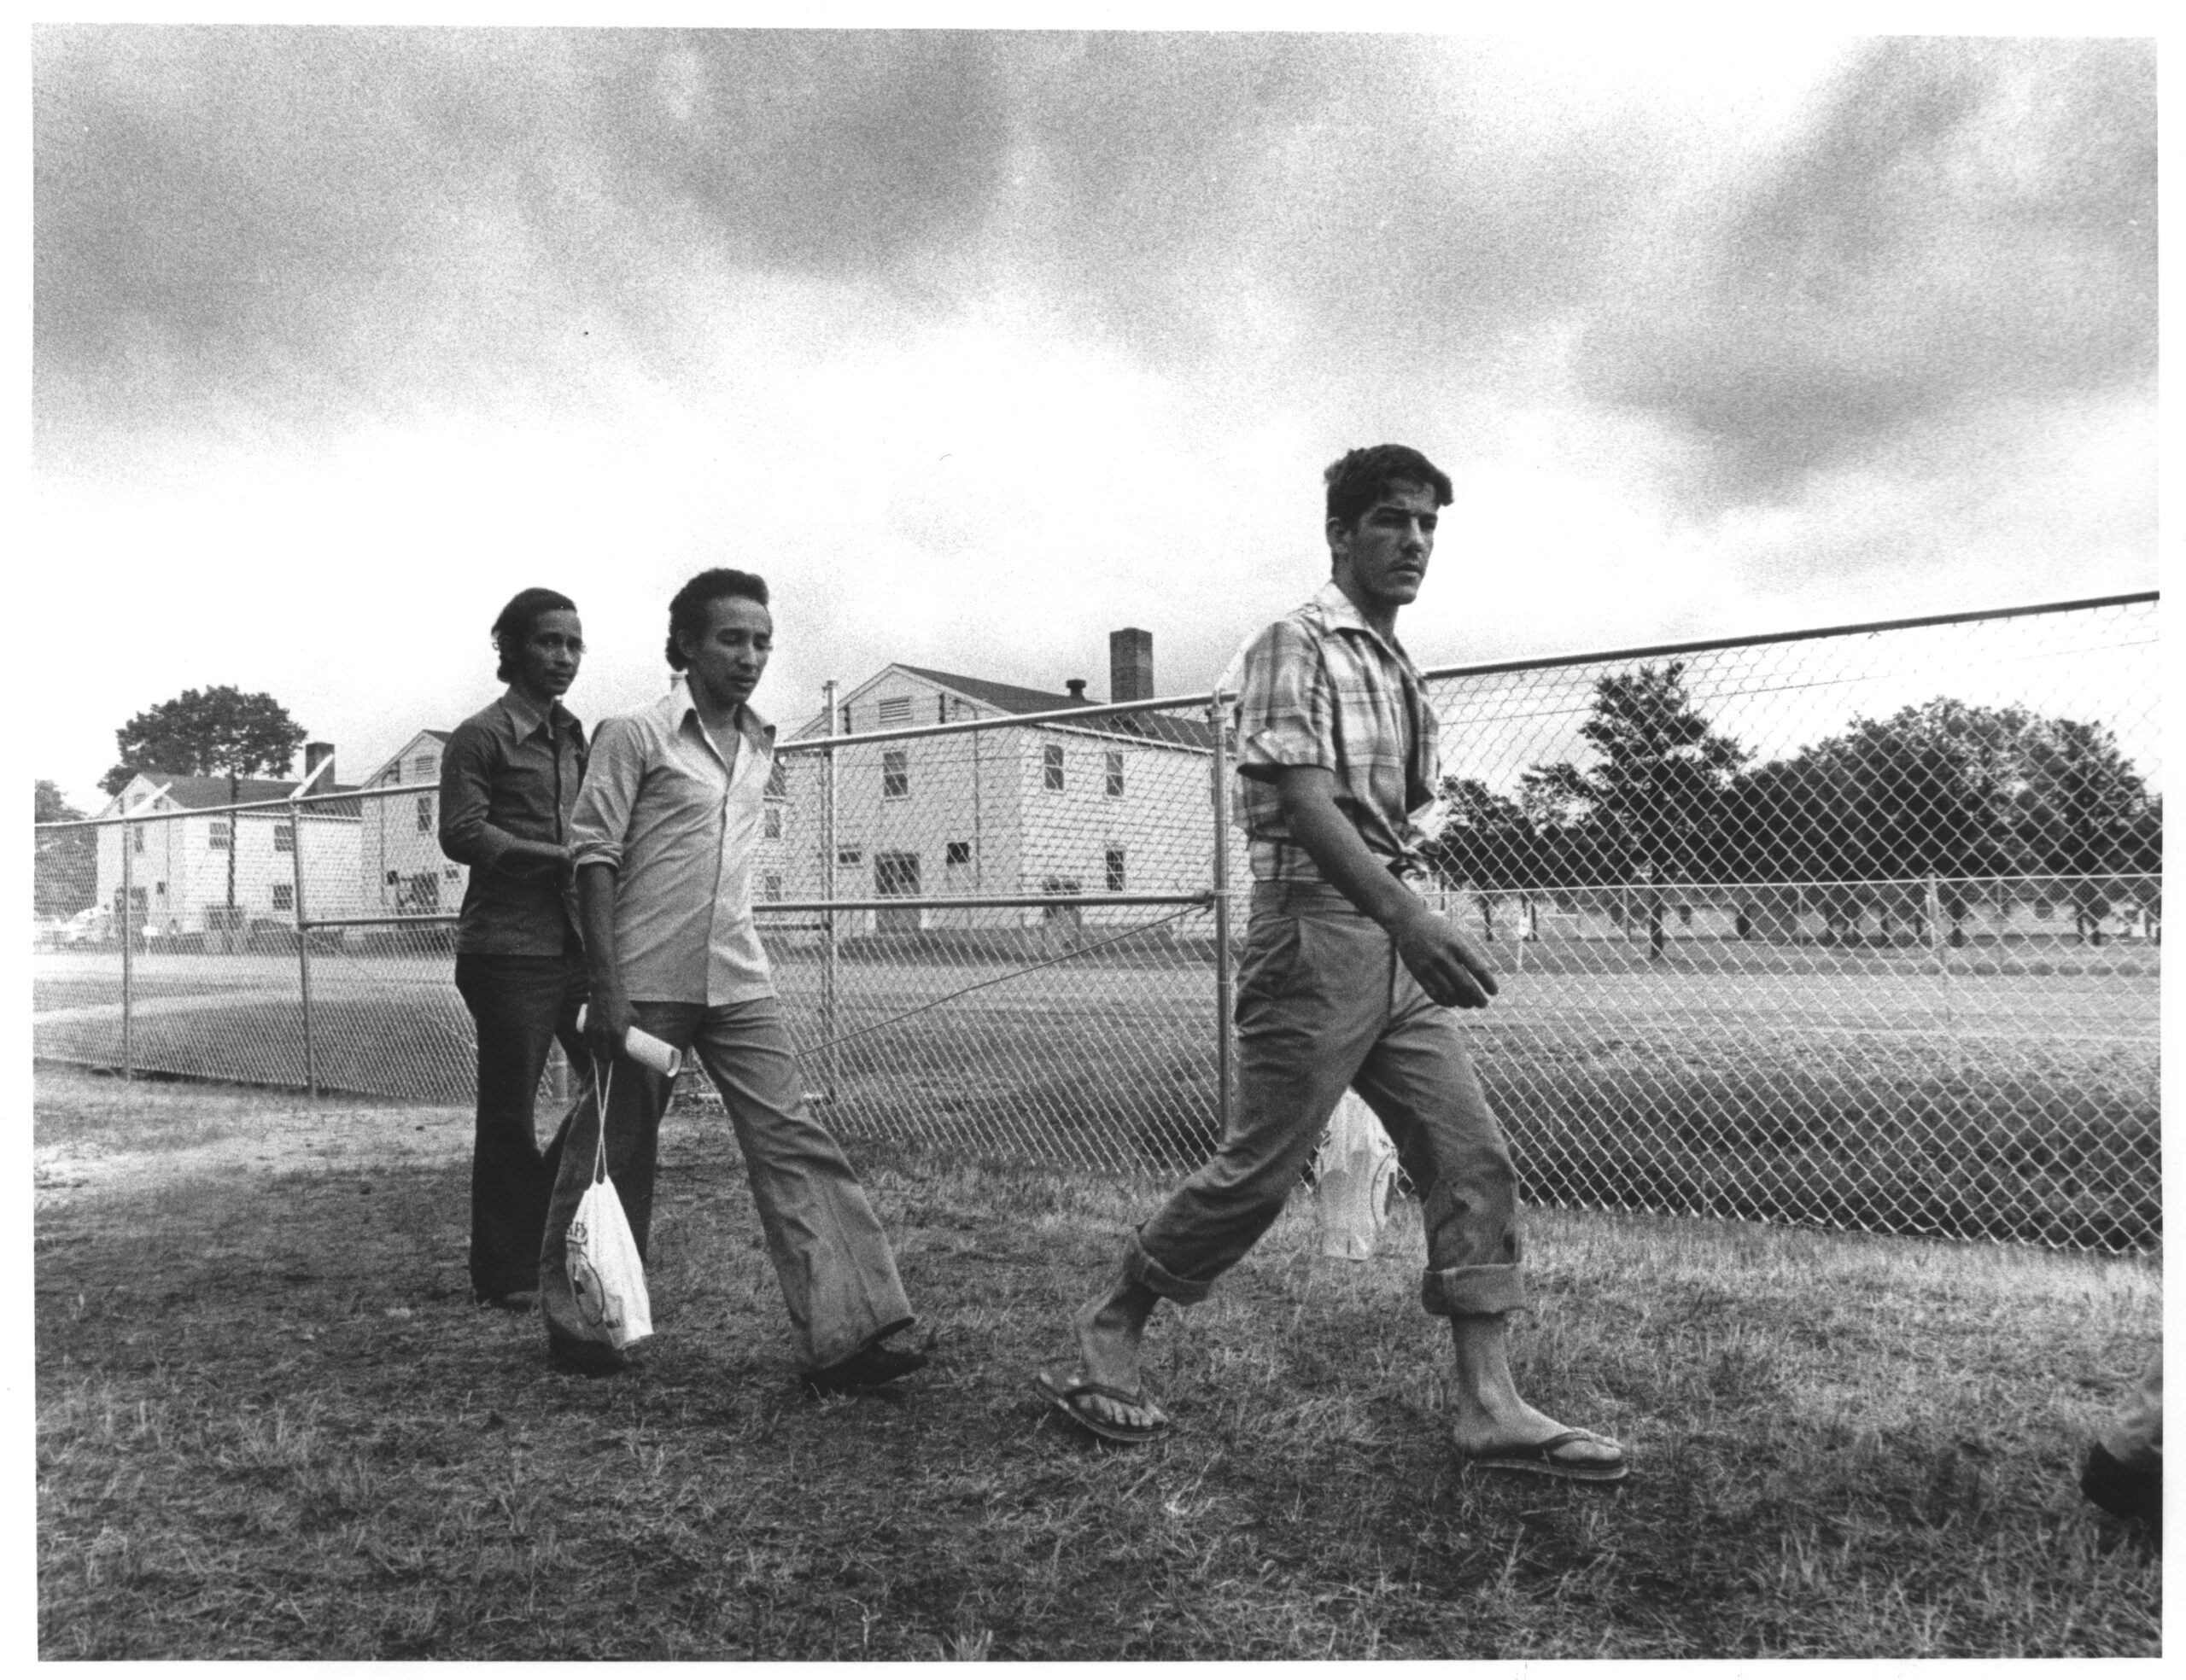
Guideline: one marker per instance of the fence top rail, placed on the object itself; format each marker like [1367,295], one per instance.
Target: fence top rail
[1618,656]
[184,812]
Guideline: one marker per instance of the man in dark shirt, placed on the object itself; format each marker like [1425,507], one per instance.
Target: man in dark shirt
[508,779]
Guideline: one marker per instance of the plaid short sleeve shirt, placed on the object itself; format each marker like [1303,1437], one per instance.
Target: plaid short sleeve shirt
[1321,687]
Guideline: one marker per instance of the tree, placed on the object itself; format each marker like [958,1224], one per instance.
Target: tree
[1650,809]
[64,875]
[213,731]
[1952,791]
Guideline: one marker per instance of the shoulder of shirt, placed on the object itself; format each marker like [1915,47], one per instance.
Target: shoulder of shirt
[490,716]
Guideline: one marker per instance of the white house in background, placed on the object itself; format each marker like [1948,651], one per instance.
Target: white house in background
[1115,804]
[405,873]
[179,863]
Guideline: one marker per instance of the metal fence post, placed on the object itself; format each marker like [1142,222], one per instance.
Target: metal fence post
[303,942]
[121,921]
[1225,979]
[828,789]
[1934,907]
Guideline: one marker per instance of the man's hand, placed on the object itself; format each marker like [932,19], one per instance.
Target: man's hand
[1448,966]
[608,1018]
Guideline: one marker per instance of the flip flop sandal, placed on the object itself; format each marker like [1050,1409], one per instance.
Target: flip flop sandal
[1064,1396]
[1541,1459]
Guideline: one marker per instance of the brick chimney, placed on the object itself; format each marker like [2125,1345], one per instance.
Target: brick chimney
[1130,665]
[315,752]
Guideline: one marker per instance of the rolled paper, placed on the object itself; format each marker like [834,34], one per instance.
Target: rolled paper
[643,1048]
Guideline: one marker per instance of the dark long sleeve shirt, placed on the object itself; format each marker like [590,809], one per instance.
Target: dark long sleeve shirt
[510,772]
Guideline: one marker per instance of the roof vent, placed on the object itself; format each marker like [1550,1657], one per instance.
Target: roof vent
[1077,687]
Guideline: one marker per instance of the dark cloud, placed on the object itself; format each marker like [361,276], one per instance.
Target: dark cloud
[308,218]
[1964,222]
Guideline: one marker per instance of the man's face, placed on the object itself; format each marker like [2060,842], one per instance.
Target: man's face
[1381,559]
[547,660]
[728,659]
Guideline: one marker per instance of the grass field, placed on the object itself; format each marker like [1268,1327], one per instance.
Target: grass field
[2015,1097]
[270,1426]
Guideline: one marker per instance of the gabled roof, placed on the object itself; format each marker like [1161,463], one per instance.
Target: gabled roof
[1183,732]
[206,793]
[400,752]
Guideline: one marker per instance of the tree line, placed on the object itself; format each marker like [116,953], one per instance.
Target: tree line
[1946,789]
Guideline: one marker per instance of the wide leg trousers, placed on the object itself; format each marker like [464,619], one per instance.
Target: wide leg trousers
[837,1271]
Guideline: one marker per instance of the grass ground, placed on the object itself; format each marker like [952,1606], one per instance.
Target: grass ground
[271,1425]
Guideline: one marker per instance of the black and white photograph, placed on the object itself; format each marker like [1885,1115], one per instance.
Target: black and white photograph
[1201,837]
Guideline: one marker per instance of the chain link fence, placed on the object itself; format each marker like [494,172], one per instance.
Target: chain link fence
[1860,928]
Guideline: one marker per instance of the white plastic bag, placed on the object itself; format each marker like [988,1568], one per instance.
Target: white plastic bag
[605,1273]
[1354,1172]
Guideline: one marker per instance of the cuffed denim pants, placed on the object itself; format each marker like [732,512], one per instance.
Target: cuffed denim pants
[837,1271]
[520,1005]
[1324,1004]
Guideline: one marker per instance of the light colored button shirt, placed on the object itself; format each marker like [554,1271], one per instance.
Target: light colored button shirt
[661,809]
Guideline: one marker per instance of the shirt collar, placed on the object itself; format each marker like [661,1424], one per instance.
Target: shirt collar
[682,706]
[1335,608]
[524,711]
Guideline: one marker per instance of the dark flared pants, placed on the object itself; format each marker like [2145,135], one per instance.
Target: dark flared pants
[520,1005]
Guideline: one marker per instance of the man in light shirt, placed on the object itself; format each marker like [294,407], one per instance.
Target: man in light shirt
[662,840]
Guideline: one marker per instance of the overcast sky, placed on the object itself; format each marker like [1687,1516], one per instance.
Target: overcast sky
[979,345]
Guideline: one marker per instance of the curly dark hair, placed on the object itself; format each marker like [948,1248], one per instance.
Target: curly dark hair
[519,618]
[1358,480]
[687,612]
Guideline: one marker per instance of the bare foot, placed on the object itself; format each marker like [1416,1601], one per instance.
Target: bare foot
[1110,1329]
[1484,1433]
[1490,1417]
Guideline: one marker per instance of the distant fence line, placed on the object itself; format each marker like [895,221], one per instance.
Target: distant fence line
[1859,927]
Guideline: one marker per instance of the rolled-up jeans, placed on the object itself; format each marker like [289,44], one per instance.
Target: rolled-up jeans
[837,1271]
[520,1005]
[1324,1004]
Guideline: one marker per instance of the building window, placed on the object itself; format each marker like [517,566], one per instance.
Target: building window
[770,889]
[452,873]
[771,824]
[394,776]
[422,766]
[896,713]
[393,877]
[1051,759]
[847,730]
[139,833]
[777,781]
[895,774]
[285,895]
[1115,775]
[1114,861]
[284,837]
[850,855]
[426,814]
[959,852]
[217,836]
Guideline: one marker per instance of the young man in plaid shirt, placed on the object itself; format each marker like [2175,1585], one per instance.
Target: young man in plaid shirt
[1348,981]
